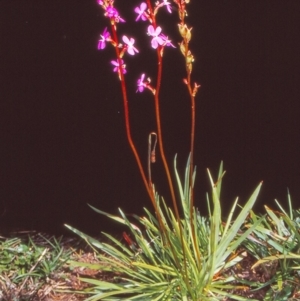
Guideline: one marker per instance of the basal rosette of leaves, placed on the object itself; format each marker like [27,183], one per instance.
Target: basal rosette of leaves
[151,269]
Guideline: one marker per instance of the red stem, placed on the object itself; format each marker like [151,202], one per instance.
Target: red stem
[127,123]
[157,114]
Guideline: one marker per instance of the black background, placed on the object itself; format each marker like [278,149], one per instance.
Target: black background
[62,133]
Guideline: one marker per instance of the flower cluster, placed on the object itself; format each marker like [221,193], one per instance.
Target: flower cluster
[158,41]
[110,11]
[158,38]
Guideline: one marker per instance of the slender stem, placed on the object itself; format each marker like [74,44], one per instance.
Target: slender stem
[192,161]
[127,122]
[160,139]
[193,104]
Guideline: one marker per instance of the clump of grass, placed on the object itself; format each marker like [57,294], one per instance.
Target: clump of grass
[26,266]
[146,268]
[153,268]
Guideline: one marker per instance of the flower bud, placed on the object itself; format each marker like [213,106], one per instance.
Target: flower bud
[185,32]
[181,29]
[188,35]
[195,89]
[183,48]
[189,58]
[189,61]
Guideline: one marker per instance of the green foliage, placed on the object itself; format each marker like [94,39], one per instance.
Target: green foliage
[279,251]
[173,264]
[23,263]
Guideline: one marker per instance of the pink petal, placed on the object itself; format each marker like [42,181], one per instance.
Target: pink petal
[151,30]
[125,40]
[143,6]
[115,63]
[158,30]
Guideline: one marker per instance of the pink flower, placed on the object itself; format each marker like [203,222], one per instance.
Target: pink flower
[166,40]
[156,40]
[167,4]
[141,12]
[104,38]
[130,48]
[140,83]
[112,13]
[119,68]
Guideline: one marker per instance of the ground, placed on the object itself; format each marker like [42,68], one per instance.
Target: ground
[54,287]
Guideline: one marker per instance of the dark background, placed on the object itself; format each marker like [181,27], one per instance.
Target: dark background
[62,133]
